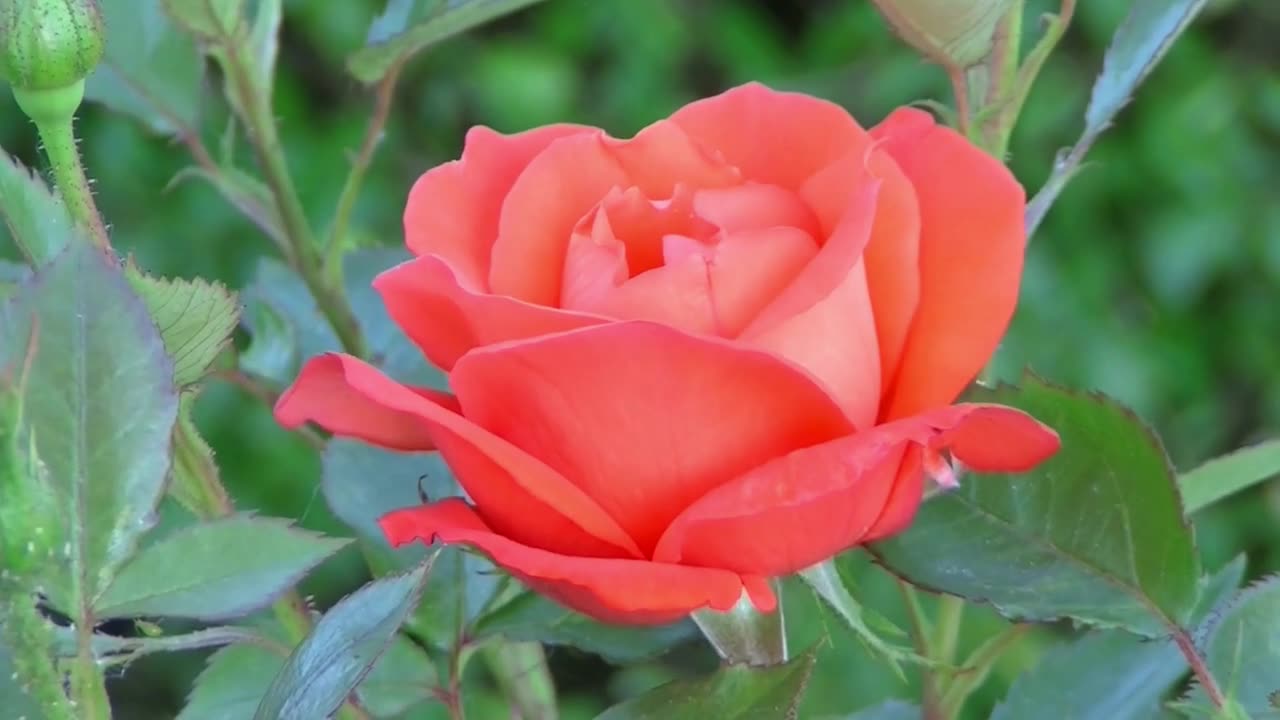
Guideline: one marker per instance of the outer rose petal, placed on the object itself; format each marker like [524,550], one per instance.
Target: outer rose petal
[571,177]
[802,508]
[823,320]
[616,591]
[971,248]
[778,138]
[893,250]
[643,417]
[520,496]
[453,209]
[446,320]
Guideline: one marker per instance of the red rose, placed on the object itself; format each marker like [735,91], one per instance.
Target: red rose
[718,352]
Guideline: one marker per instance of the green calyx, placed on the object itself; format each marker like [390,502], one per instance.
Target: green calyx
[953,33]
[49,44]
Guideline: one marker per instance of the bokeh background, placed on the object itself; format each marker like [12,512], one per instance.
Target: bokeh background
[1156,278]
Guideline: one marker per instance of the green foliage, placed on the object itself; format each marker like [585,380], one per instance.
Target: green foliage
[409,26]
[402,677]
[151,70]
[214,570]
[1227,475]
[736,691]
[1243,651]
[101,405]
[1111,675]
[1096,533]
[36,218]
[339,652]
[891,710]
[232,684]
[195,318]
[529,616]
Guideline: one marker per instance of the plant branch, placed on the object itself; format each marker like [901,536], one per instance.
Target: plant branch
[59,141]
[383,99]
[1199,668]
[977,667]
[921,634]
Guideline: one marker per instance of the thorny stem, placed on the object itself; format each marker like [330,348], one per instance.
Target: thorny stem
[336,242]
[59,141]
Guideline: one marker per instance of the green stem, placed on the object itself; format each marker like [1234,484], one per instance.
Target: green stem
[336,243]
[1021,82]
[946,632]
[922,635]
[88,685]
[304,253]
[59,141]
[521,671]
[976,669]
[1003,65]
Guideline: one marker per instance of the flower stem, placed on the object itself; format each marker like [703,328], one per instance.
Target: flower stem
[744,635]
[59,141]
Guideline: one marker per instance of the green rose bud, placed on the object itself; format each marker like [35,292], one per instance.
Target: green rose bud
[953,33]
[49,44]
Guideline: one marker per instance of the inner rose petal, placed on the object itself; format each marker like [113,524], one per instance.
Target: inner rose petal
[755,206]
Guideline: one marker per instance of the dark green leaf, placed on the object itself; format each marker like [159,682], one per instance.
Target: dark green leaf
[1243,651]
[530,616]
[736,692]
[402,677]
[407,27]
[35,217]
[1095,533]
[1142,40]
[195,317]
[1229,474]
[346,642]
[891,710]
[213,570]
[232,684]
[362,483]
[1110,675]
[101,405]
[151,71]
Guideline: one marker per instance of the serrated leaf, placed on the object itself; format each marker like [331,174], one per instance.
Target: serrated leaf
[195,317]
[532,617]
[216,570]
[36,218]
[151,71]
[1110,675]
[402,677]
[1146,34]
[101,404]
[1224,476]
[193,462]
[232,684]
[736,691]
[361,483]
[1243,651]
[346,642]
[408,27]
[1095,533]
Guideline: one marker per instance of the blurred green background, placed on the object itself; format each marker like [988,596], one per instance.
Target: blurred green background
[1156,279]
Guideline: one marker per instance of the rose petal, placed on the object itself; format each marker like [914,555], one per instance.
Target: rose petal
[805,507]
[777,138]
[755,207]
[570,178]
[611,590]
[453,208]
[520,496]
[971,250]
[642,417]
[892,251]
[823,320]
[425,298]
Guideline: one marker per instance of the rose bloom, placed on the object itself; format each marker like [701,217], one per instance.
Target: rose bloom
[719,352]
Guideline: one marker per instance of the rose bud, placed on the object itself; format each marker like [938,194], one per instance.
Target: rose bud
[952,33]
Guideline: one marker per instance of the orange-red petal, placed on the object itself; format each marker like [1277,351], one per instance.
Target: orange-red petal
[971,250]
[611,590]
[804,507]
[644,418]
[446,320]
[773,137]
[520,496]
[453,208]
